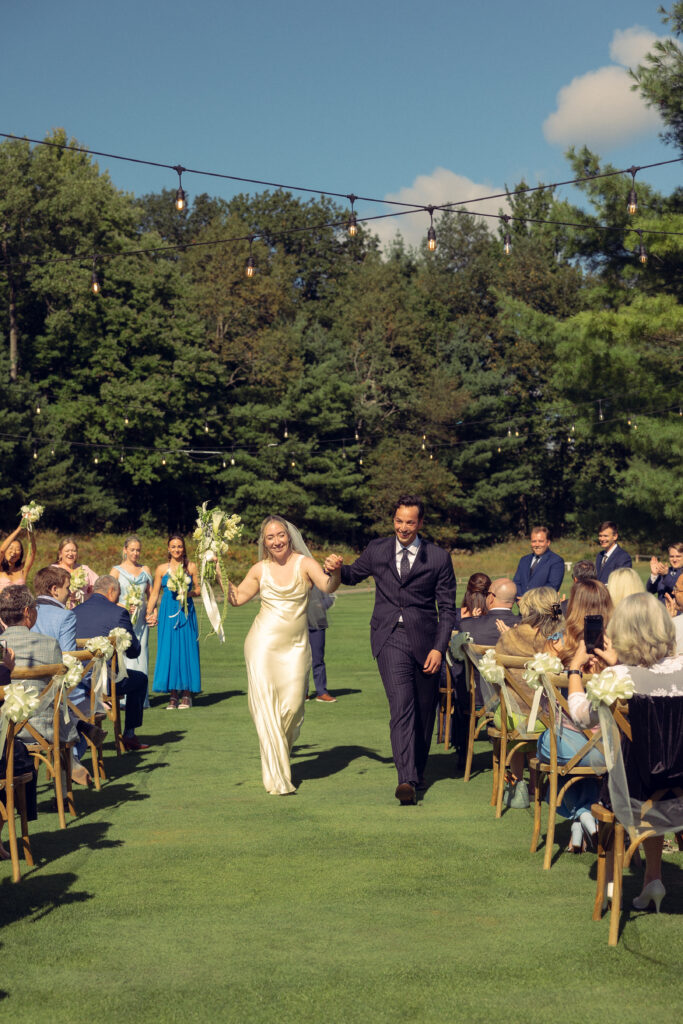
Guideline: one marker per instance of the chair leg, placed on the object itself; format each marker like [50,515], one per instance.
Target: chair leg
[538,797]
[23,817]
[604,838]
[59,791]
[502,765]
[448,718]
[615,914]
[8,816]
[95,759]
[65,758]
[495,764]
[552,811]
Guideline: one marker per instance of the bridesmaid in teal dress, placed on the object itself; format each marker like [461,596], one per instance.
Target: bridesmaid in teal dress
[136,580]
[176,670]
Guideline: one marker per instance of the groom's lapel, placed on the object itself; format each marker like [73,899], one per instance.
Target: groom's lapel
[391,556]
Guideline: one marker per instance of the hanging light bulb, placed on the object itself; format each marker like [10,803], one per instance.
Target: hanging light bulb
[285,432]
[125,420]
[250,265]
[224,464]
[360,461]
[121,457]
[600,413]
[52,451]
[352,224]
[431,456]
[573,428]
[357,436]
[163,460]
[632,205]
[629,421]
[293,463]
[96,460]
[507,241]
[94,280]
[35,454]
[206,428]
[38,409]
[509,432]
[232,460]
[516,433]
[343,452]
[642,251]
[180,197]
[499,448]
[431,233]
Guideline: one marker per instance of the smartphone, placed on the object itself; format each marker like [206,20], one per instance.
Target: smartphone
[593,634]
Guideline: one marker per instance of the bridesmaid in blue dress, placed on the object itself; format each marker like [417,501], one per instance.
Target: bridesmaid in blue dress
[131,574]
[176,670]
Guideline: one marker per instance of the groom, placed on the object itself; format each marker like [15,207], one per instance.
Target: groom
[407,637]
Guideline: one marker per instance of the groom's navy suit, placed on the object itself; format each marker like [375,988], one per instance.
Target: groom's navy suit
[401,648]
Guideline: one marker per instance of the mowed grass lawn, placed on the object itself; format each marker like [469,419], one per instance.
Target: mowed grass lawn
[183,892]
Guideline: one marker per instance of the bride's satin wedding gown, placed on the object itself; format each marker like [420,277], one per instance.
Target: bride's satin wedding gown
[278,657]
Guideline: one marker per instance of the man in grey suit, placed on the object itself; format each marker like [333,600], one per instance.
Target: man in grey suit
[18,613]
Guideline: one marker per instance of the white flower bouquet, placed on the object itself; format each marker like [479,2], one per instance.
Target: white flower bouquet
[133,600]
[30,514]
[179,584]
[77,585]
[213,535]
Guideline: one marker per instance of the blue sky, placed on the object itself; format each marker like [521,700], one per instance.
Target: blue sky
[428,102]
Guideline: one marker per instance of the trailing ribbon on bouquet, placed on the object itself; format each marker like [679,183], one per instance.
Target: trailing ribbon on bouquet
[30,514]
[534,676]
[20,703]
[103,649]
[214,531]
[179,584]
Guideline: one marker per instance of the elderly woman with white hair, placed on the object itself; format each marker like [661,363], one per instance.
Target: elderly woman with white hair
[641,643]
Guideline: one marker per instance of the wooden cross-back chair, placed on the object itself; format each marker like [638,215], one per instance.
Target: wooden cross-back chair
[14,787]
[612,833]
[549,773]
[113,699]
[480,718]
[513,737]
[93,717]
[54,754]
[446,708]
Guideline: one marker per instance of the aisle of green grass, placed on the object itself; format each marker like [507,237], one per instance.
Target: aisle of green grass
[184,892]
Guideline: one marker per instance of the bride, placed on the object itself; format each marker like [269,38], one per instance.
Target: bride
[277,650]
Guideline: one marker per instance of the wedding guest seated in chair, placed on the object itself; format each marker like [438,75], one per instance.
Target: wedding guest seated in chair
[622,583]
[641,643]
[97,617]
[18,612]
[53,618]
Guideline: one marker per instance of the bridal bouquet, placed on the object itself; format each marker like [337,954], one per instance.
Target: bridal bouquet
[77,585]
[30,514]
[214,532]
[133,600]
[179,584]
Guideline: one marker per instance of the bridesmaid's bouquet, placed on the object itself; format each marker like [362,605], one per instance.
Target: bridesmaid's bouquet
[133,601]
[179,584]
[214,532]
[77,585]
[30,514]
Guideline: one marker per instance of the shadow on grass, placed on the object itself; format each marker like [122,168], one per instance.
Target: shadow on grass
[206,700]
[37,896]
[90,801]
[330,762]
[50,846]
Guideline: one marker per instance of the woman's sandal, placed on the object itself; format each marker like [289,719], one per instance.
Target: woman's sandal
[185,703]
[172,704]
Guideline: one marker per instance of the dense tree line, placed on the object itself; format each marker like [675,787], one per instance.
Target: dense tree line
[499,386]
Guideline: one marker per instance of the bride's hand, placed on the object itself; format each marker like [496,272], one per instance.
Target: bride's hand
[333,562]
[232,594]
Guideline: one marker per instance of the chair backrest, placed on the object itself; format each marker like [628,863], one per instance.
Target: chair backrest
[517,695]
[474,653]
[646,784]
[40,672]
[556,685]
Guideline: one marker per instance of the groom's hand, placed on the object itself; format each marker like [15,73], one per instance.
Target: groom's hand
[433,663]
[332,563]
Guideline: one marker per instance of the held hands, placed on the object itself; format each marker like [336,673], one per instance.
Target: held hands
[151,618]
[332,563]
[433,663]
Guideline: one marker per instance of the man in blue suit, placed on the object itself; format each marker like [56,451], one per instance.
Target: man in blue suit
[612,555]
[53,619]
[407,635]
[97,617]
[542,568]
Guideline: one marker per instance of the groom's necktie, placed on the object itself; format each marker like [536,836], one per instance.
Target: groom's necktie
[405,564]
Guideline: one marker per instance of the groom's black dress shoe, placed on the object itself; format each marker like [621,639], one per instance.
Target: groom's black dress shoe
[405,792]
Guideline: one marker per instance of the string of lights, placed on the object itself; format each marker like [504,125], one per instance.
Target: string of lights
[229,455]
[350,224]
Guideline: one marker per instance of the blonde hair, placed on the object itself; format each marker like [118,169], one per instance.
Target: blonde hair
[262,549]
[541,610]
[622,583]
[641,631]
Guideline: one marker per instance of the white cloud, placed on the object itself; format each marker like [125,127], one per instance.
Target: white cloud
[435,189]
[600,108]
[629,45]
